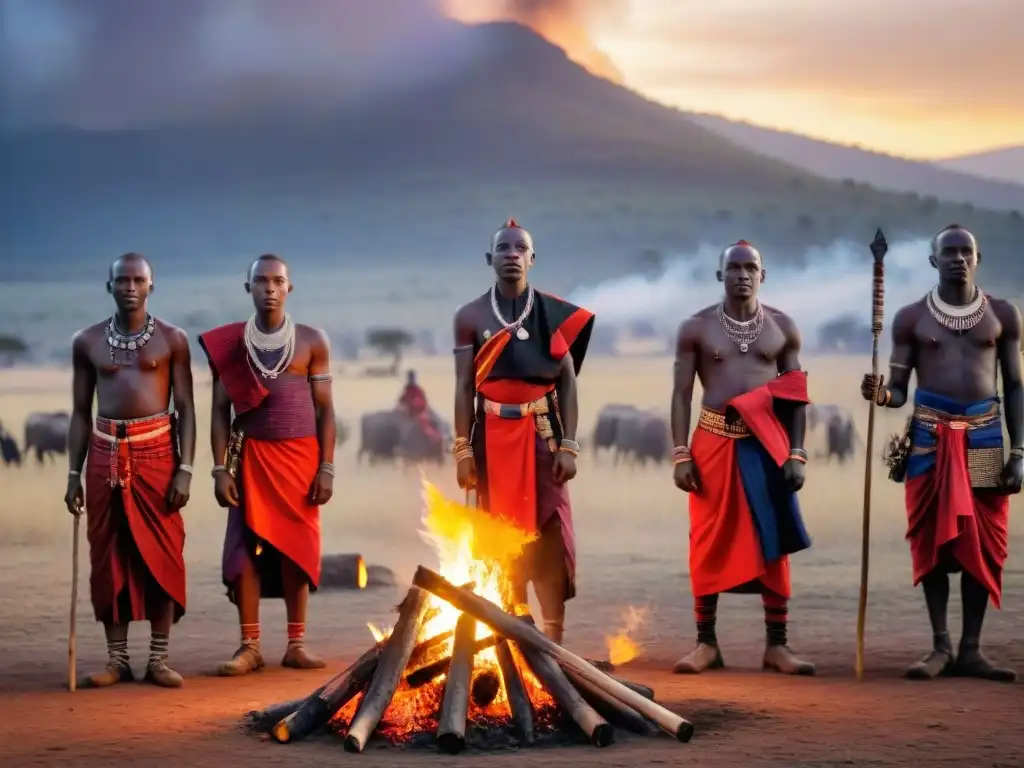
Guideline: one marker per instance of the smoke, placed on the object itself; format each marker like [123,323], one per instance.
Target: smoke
[125,62]
[565,23]
[835,283]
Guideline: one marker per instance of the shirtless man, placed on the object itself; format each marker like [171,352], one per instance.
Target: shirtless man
[745,466]
[517,354]
[139,471]
[274,464]
[957,479]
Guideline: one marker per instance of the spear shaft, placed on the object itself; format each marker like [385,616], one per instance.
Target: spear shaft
[879,247]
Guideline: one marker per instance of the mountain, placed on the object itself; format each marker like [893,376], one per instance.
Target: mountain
[949,181]
[1003,164]
[427,174]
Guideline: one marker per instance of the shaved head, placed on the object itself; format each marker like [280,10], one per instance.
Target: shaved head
[742,250]
[130,258]
[953,233]
[265,257]
[510,229]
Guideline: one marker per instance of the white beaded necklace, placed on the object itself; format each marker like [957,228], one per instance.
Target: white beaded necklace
[282,339]
[957,318]
[517,325]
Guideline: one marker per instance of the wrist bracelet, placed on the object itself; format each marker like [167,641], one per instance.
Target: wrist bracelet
[74,473]
[569,446]
[327,468]
[186,468]
[883,399]
[217,469]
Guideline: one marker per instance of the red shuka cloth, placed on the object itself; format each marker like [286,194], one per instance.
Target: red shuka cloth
[947,519]
[130,550]
[725,551]
[277,476]
[229,360]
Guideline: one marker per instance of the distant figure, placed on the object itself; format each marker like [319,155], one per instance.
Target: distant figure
[745,466]
[275,463]
[9,448]
[139,471]
[957,484]
[517,354]
[413,403]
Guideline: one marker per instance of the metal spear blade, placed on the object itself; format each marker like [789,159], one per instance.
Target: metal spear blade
[879,246]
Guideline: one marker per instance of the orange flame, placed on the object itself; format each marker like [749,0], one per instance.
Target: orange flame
[472,547]
[623,646]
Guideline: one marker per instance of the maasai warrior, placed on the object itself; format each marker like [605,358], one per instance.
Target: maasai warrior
[413,403]
[517,354]
[746,461]
[274,462]
[139,471]
[957,482]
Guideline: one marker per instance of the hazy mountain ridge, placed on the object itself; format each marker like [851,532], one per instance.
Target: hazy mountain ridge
[956,180]
[602,175]
[1005,164]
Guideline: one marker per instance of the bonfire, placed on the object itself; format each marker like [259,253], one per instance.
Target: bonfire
[463,657]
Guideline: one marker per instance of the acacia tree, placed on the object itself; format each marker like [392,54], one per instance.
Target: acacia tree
[390,341]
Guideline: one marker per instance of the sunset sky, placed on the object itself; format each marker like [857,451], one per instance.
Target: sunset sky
[920,78]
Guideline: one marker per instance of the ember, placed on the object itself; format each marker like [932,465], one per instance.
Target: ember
[457,660]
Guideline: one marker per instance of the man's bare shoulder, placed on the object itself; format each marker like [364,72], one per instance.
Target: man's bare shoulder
[312,334]
[1007,313]
[786,323]
[173,333]
[90,334]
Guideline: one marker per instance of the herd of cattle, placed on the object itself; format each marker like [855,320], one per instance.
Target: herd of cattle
[632,436]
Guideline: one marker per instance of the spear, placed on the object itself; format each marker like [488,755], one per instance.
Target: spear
[879,247]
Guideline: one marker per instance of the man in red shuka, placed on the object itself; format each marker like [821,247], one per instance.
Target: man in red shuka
[747,459]
[958,481]
[139,470]
[275,463]
[517,354]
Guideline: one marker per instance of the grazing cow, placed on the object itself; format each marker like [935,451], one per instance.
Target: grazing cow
[606,429]
[47,434]
[822,413]
[641,437]
[391,435]
[841,438]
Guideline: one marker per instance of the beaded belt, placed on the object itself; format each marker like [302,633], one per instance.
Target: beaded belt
[540,410]
[139,438]
[984,465]
[715,422]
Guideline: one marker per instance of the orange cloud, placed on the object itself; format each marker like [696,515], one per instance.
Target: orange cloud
[565,23]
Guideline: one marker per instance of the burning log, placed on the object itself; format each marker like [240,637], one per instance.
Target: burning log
[485,688]
[434,670]
[346,571]
[451,726]
[320,707]
[527,636]
[295,720]
[597,729]
[643,690]
[263,720]
[388,674]
[614,711]
[515,691]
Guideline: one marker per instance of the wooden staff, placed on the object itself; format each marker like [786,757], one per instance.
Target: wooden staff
[72,630]
[879,247]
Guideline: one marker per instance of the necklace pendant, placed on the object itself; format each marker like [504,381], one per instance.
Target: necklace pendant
[487,334]
[744,347]
[522,334]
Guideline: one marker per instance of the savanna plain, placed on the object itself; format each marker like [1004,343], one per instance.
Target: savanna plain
[632,542]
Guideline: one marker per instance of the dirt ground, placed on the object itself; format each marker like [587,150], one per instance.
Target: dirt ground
[632,553]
